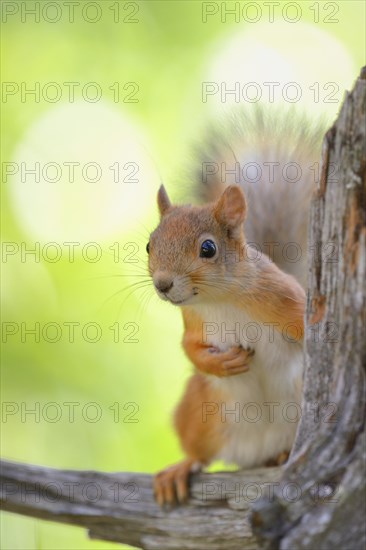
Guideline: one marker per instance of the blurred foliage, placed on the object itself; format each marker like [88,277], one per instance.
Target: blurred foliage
[167,53]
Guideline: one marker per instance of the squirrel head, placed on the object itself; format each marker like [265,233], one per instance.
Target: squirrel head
[195,250]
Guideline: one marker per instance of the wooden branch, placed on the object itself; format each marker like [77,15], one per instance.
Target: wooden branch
[120,507]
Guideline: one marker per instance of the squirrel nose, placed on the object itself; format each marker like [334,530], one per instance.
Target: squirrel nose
[163,284]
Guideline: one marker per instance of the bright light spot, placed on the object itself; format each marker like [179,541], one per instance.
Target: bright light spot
[300,53]
[93,175]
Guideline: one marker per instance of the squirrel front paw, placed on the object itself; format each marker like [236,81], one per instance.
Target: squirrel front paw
[171,484]
[227,363]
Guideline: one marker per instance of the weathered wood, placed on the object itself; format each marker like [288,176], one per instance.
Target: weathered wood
[329,451]
[120,506]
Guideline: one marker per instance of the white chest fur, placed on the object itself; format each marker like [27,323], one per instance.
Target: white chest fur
[261,407]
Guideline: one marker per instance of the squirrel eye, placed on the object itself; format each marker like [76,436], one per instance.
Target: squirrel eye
[208,249]
[148,248]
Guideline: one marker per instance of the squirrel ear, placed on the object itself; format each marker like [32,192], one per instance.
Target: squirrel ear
[163,200]
[231,207]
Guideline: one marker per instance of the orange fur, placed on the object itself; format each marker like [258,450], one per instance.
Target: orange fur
[234,278]
[207,359]
[277,298]
[201,436]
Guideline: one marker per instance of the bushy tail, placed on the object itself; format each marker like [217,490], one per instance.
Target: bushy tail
[276,160]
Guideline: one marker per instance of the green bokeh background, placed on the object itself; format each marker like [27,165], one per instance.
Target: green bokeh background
[166,53]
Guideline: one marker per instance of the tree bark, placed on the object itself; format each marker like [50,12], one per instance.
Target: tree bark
[318,499]
[120,507]
[328,459]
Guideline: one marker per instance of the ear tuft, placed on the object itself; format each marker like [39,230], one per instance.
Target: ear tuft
[231,207]
[163,201]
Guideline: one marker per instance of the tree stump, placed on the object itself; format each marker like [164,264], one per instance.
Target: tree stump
[328,460]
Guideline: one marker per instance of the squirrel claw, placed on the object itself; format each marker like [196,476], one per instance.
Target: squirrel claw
[236,360]
[171,484]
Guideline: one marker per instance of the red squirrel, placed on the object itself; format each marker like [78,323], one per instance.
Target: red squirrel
[243,312]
